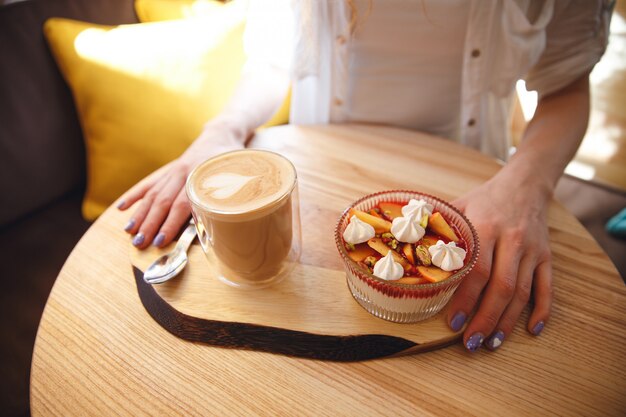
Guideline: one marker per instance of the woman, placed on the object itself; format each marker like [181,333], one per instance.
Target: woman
[448,68]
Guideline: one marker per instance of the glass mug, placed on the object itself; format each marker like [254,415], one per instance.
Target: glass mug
[246,208]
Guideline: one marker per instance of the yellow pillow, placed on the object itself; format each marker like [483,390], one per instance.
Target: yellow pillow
[159,10]
[144,91]
[162,10]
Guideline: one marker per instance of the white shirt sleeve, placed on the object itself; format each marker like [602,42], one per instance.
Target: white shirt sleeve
[269,34]
[577,37]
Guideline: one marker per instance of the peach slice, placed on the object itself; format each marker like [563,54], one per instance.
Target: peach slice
[379,246]
[440,226]
[433,273]
[407,249]
[360,252]
[412,280]
[391,210]
[375,214]
[380,225]
[428,240]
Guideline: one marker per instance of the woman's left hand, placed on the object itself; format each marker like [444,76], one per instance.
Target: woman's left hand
[509,214]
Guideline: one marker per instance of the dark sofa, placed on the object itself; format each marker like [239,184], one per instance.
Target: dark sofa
[42,176]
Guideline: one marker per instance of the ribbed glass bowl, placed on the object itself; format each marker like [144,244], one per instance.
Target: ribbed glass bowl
[405,303]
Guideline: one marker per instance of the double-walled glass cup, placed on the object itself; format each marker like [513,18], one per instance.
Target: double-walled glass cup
[256,243]
[404,303]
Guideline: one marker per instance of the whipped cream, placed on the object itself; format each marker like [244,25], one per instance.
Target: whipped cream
[407,229]
[417,209]
[388,269]
[358,231]
[447,256]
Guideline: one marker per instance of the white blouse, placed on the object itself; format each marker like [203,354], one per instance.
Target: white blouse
[446,67]
[404,66]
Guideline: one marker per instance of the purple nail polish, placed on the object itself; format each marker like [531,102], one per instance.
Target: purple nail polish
[158,240]
[538,328]
[495,341]
[474,342]
[121,204]
[458,321]
[138,239]
[130,225]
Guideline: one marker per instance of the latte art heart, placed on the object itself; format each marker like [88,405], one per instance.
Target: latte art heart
[226,184]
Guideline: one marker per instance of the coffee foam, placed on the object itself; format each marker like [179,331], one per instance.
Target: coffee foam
[242,181]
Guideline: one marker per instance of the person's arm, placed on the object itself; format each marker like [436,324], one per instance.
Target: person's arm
[509,213]
[164,208]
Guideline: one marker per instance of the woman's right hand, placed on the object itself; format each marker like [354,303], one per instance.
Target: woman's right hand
[164,208]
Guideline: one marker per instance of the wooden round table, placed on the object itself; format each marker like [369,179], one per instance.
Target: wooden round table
[99,353]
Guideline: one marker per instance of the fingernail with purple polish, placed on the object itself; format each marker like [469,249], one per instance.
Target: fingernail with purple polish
[121,204]
[458,321]
[496,340]
[138,239]
[474,342]
[158,240]
[538,328]
[130,225]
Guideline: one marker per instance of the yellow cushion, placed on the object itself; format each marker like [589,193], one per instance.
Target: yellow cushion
[144,91]
[162,10]
[159,10]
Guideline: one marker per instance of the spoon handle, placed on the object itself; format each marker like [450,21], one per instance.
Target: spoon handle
[187,237]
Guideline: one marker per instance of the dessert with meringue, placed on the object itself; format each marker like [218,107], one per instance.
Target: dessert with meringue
[405,253]
[407,237]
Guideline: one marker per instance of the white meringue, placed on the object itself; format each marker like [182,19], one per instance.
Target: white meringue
[407,229]
[358,231]
[448,256]
[417,208]
[388,269]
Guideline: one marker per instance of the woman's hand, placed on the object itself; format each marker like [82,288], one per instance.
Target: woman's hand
[509,214]
[164,207]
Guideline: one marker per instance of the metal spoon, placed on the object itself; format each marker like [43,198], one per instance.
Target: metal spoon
[171,264]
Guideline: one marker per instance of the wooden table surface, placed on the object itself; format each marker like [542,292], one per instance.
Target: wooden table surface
[99,353]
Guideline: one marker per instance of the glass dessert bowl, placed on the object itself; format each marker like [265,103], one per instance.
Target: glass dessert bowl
[405,253]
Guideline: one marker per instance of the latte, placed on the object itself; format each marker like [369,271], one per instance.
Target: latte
[245,205]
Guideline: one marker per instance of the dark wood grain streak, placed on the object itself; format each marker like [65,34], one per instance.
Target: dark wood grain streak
[264,338]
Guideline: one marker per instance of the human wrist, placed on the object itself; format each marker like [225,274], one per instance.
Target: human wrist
[228,127]
[218,136]
[528,178]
